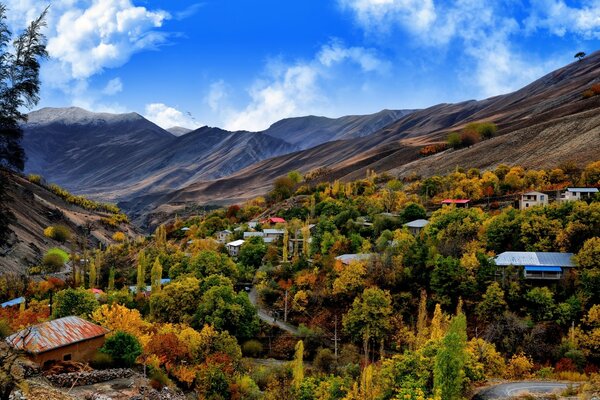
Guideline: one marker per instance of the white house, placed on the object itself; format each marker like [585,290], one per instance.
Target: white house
[273,233]
[234,247]
[532,199]
[572,194]
[416,226]
[223,236]
[537,265]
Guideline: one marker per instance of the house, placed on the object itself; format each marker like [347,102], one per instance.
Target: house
[537,265]
[248,235]
[572,194]
[274,220]
[462,203]
[148,289]
[416,226]
[252,224]
[223,236]
[13,302]
[63,339]
[234,247]
[275,234]
[346,259]
[532,199]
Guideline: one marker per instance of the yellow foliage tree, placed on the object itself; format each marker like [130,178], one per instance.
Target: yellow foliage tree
[519,367]
[120,318]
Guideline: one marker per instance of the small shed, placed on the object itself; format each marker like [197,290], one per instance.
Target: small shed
[463,203]
[415,227]
[63,339]
[572,194]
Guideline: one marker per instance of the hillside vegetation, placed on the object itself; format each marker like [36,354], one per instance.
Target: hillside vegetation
[425,316]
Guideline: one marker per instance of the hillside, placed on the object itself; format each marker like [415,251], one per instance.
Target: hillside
[310,131]
[542,124]
[35,209]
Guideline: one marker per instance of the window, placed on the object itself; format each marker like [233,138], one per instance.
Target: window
[542,198]
[67,357]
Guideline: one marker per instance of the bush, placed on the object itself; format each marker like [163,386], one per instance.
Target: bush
[252,348]
[519,367]
[324,361]
[34,178]
[123,347]
[52,262]
[58,232]
[119,237]
[469,138]
[101,361]
[454,140]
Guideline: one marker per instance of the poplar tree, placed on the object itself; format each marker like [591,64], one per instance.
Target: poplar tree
[156,275]
[298,365]
[141,272]
[286,239]
[111,279]
[305,237]
[448,373]
[92,275]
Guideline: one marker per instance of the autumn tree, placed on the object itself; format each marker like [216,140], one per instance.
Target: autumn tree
[156,276]
[298,365]
[74,302]
[368,319]
[177,301]
[492,304]
[141,272]
[448,373]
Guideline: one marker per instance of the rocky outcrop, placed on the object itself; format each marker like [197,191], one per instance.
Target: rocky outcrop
[14,369]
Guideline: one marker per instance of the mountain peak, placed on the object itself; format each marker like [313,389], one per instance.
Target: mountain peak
[76,116]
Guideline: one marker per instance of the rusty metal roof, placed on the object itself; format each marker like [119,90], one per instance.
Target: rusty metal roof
[54,334]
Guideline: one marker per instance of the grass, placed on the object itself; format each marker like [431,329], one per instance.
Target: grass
[63,254]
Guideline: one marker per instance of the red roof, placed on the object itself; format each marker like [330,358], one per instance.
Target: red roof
[54,334]
[97,291]
[276,220]
[456,201]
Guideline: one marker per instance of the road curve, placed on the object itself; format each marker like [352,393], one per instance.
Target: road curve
[512,389]
[266,316]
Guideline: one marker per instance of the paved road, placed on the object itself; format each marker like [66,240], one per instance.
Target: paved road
[510,390]
[266,316]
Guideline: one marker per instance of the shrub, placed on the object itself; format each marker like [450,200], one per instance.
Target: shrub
[588,93]
[519,367]
[119,237]
[34,178]
[58,232]
[433,149]
[324,360]
[595,88]
[102,361]
[469,138]
[63,254]
[52,262]
[252,348]
[565,364]
[454,140]
[123,348]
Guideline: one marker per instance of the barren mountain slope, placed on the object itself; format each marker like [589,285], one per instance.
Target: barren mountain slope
[35,209]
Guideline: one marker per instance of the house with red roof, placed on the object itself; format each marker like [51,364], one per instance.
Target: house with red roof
[274,220]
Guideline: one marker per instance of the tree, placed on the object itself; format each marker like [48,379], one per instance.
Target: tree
[579,55]
[492,304]
[286,241]
[19,88]
[252,252]
[369,317]
[156,275]
[298,365]
[111,279]
[141,272]
[413,211]
[123,347]
[541,303]
[226,310]
[454,140]
[78,302]
[177,301]
[295,177]
[589,255]
[448,373]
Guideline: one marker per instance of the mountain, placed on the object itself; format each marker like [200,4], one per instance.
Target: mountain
[543,124]
[36,208]
[115,156]
[178,130]
[310,131]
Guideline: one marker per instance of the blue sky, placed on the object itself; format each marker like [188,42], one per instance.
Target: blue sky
[243,64]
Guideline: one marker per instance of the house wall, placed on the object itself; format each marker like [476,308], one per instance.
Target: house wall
[82,351]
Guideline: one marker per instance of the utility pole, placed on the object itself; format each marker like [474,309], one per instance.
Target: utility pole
[285,310]
[335,339]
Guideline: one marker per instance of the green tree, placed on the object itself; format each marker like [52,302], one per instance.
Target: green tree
[123,347]
[295,177]
[413,211]
[448,373]
[589,255]
[492,304]
[579,55]
[226,310]
[111,279]
[78,302]
[368,319]
[156,276]
[177,301]
[454,141]
[252,252]
[541,303]
[141,272]
[92,275]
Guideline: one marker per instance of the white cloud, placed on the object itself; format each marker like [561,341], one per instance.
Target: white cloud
[559,18]
[217,95]
[297,89]
[168,117]
[113,87]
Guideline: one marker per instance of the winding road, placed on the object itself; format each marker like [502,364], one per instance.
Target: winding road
[266,316]
[512,389]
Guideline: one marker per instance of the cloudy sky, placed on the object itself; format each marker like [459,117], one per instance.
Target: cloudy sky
[242,64]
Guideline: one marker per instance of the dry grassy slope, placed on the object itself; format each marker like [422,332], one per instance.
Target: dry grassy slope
[35,209]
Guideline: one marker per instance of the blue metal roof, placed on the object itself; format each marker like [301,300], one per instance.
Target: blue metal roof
[535,268]
[531,258]
[13,302]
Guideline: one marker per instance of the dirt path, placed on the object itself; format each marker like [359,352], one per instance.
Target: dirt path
[265,314]
[513,389]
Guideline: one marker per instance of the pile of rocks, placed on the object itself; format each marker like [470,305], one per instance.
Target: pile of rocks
[83,378]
